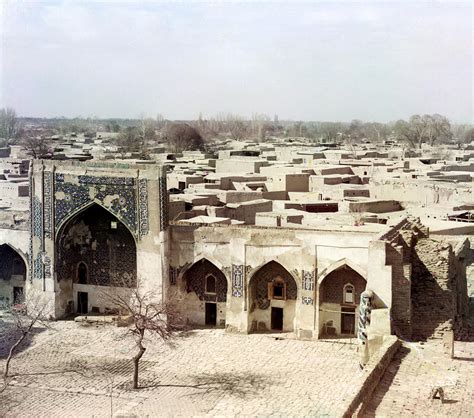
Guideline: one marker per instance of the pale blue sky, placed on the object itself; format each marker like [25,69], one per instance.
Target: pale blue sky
[301,60]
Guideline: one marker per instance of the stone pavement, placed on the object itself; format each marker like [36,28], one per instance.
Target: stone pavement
[84,371]
[414,371]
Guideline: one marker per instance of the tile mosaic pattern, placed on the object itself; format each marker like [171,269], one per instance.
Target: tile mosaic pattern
[164,215]
[143,206]
[48,204]
[237,280]
[308,280]
[306,300]
[121,190]
[267,274]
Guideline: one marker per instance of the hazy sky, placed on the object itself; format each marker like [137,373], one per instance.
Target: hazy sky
[301,60]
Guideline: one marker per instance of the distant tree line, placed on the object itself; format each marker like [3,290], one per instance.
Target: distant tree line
[140,135]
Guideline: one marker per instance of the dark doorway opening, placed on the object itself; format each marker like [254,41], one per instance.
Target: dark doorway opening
[82,302]
[348,321]
[82,273]
[18,295]
[211,314]
[277,319]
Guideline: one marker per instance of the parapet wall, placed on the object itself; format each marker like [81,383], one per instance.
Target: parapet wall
[370,378]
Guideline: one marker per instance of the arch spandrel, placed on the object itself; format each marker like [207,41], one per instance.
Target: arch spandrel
[22,255]
[251,273]
[268,272]
[7,263]
[339,264]
[195,277]
[77,212]
[118,195]
[220,266]
[344,262]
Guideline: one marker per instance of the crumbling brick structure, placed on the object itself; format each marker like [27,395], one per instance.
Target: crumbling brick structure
[433,289]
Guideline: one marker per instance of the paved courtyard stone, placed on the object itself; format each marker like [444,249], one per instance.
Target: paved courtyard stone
[76,370]
[415,370]
[84,371]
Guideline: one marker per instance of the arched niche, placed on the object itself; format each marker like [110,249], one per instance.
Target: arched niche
[272,295]
[13,272]
[96,244]
[205,287]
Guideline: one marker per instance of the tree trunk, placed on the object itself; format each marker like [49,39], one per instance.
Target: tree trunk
[136,360]
[10,354]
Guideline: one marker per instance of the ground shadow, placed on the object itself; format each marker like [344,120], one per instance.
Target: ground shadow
[9,335]
[235,384]
[465,333]
[369,410]
[463,358]
[9,400]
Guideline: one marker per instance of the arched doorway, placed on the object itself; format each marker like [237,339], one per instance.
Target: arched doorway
[12,276]
[95,249]
[272,299]
[339,297]
[206,294]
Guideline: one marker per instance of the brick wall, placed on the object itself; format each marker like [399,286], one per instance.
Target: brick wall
[433,289]
[401,290]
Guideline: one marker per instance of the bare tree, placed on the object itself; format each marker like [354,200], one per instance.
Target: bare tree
[183,137]
[9,127]
[129,140]
[148,319]
[330,131]
[468,136]
[437,128]
[420,129]
[355,131]
[25,317]
[160,121]
[36,146]
[412,131]
[237,126]
[259,126]
[297,129]
[376,132]
[147,133]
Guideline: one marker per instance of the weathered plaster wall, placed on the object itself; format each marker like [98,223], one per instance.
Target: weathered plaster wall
[420,191]
[98,296]
[241,251]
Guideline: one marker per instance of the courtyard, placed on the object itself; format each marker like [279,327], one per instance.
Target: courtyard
[85,370]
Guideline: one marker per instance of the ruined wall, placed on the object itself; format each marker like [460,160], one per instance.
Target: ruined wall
[422,192]
[464,258]
[433,289]
[399,245]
